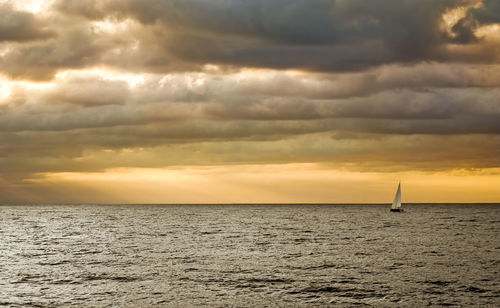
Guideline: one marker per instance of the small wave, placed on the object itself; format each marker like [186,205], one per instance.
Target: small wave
[346,281]
[238,271]
[321,266]
[445,304]
[467,220]
[209,232]
[249,285]
[391,224]
[317,290]
[395,266]
[433,252]
[92,277]
[86,252]
[72,233]
[341,292]
[300,240]
[362,254]
[262,243]
[439,282]
[55,263]
[292,255]
[95,262]
[124,278]
[473,289]
[65,281]
[33,304]
[434,291]
[269,280]
[35,255]
[448,217]
[27,278]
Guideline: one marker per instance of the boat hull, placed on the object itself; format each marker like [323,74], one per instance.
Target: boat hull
[396,210]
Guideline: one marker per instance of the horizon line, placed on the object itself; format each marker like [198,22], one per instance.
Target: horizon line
[254,203]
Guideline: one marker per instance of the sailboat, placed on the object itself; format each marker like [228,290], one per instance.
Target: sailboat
[396,204]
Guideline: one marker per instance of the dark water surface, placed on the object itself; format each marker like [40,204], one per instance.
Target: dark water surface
[249,255]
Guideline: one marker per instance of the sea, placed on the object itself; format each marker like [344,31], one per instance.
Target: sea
[250,255]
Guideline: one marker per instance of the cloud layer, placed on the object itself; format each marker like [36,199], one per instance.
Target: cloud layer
[364,85]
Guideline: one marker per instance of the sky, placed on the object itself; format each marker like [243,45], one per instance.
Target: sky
[230,101]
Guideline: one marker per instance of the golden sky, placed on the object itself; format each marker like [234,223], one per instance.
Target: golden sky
[193,101]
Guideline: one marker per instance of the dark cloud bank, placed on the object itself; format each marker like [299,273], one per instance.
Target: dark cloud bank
[175,35]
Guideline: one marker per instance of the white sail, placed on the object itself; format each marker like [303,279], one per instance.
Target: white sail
[396,204]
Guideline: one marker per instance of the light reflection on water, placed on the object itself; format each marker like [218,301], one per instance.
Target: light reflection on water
[249,255]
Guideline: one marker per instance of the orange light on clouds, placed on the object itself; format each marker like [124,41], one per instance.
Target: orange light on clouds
[4,90]
[489,32]
[450,18]
[132,79]
[33,6]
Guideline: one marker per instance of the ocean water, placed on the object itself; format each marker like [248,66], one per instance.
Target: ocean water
[249,255]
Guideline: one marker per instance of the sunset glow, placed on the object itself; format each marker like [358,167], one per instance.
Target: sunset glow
[221,102]
[295,183]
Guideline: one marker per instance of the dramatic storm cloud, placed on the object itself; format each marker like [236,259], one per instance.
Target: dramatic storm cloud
[94,88]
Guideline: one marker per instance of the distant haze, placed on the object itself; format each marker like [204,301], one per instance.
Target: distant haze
[194,101]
